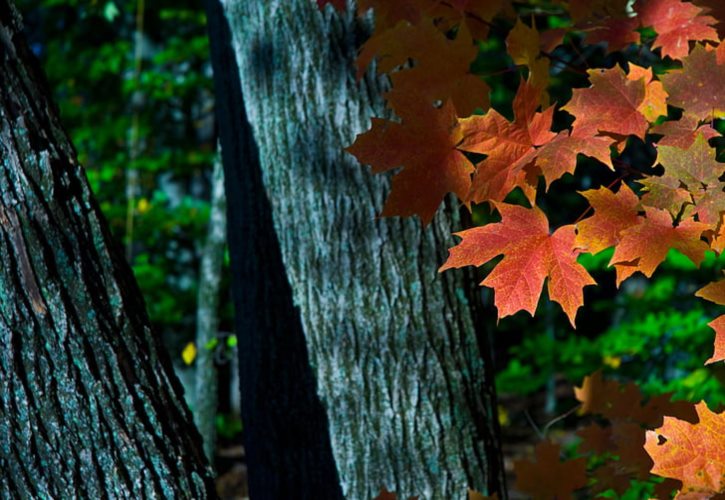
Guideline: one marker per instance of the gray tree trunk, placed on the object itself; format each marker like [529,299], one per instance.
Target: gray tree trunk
[89,406]
[406,383]
[207,313]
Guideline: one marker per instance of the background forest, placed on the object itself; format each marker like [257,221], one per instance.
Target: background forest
[133,82]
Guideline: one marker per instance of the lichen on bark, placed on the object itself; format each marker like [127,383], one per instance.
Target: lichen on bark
[89,405]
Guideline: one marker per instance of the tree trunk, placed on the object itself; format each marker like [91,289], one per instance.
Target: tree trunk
[207,313]
[286,437]
[405,382]
[89,405]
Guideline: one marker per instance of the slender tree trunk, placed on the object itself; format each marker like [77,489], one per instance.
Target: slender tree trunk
[207,313]
[89,406]
[405,382]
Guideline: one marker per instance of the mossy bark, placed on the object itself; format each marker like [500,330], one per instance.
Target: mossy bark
[405,380]
[89,406]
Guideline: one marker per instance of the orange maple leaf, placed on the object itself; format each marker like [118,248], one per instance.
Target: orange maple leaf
[615,104]
[531,255]
[548,477]
[718,324]
[524,45]
[691,453]
[644,246]
[424,144]
[613,213]
[715,292]
[676,23]
[697,87]
[508,146]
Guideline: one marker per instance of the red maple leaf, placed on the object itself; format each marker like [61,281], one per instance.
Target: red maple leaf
[676,23]
[531,255]
[424,144]
[683,132]
[508,145]
[615,104]
[644,246]
[697,87]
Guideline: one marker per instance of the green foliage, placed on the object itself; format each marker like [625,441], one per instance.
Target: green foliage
[88,51]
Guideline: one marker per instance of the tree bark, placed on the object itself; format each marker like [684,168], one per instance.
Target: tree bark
[405,382]
[206,398]
[89,405]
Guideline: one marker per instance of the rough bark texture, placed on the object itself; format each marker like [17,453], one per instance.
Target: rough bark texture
[207,313]
[286,438]
[402,376]
[89,406]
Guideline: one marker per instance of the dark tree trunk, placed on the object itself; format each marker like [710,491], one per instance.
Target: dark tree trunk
[89,406]
[406,384]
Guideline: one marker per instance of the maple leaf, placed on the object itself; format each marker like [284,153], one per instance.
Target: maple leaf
[531,255]
[607,398]
[614,104]
[691,453]
[715,292]
[695,167]
[644,246]
[595,439]
[676,23]
[441,69]
[697,87]
[613,213]
[654,103]
[665,193]
[424,144]
[559,156]
[548,477]
[683,132]
[718,324]
[716,9]
[618,33]
[523,44]
[507,146]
